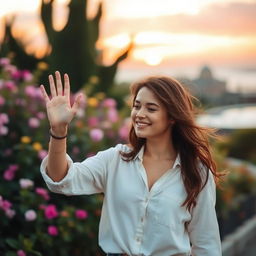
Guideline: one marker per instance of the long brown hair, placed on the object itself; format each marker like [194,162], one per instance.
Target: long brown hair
[189,139]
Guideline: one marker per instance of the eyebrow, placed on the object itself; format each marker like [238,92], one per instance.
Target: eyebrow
[148,103]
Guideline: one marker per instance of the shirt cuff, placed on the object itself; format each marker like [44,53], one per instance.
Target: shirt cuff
[57,186]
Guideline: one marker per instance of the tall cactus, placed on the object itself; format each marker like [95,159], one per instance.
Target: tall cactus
[74,47]
[11,47]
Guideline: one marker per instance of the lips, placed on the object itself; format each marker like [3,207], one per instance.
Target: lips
[141,124]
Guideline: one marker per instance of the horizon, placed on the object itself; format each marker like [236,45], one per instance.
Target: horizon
[166,34]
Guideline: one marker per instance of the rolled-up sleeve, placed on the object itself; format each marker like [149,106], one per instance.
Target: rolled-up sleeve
[83,178]
[203,228]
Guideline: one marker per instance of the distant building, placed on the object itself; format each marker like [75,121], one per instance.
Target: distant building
[208,88]
[213,92]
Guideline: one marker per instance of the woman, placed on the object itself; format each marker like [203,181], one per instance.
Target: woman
[159,190]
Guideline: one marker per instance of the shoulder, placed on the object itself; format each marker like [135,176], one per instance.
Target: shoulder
[115,150]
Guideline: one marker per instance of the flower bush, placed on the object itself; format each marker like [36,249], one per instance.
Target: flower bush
[35,221]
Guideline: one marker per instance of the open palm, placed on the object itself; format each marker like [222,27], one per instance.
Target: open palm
[59,110]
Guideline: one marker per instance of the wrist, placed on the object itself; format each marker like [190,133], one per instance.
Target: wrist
[59,131]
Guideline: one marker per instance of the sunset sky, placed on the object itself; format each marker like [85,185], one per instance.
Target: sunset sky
[166,33]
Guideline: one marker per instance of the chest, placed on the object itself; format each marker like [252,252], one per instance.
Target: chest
[156,169]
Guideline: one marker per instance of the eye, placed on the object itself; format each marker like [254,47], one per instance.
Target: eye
[151,109]
[136,106]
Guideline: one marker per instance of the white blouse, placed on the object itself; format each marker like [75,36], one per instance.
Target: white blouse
[136,220]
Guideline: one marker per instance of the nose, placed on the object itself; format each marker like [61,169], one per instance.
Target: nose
[140,114]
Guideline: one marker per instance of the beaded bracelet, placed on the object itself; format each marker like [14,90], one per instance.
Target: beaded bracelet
[57,137]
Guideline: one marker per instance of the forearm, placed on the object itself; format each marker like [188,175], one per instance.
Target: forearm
[57,165]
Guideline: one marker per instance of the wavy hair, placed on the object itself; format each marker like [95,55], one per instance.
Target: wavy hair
[189,139]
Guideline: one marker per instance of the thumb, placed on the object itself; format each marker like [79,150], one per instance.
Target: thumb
[77,103]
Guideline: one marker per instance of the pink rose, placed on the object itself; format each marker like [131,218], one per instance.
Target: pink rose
[4,118]
[81,214]
[4,61]
[43,193]
[96,134]
[10,85]
[26,183]
[33,122]
[109,103]
[93,121]
[42,154]
[10,213]
[52,230]
[30,215]
[5,204]
[9,175]
[27,76]
[50,211]
[21,253]
[112,115]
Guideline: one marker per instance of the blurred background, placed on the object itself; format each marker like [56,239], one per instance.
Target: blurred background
[104,46]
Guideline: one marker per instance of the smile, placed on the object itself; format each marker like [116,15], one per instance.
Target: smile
[142,124]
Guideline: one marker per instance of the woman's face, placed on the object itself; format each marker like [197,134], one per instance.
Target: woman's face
[149,116]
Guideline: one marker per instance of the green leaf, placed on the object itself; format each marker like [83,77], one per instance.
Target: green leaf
[11,254]
[35,253]
[12,243]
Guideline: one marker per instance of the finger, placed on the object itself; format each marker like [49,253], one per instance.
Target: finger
[66,86]
[76,103]
[52,86]
[44,93]
[59,83]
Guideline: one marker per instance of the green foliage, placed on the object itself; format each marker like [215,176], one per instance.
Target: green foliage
[24,199]
[241,144]
[237,182]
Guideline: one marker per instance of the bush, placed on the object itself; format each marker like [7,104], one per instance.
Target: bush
[33,220]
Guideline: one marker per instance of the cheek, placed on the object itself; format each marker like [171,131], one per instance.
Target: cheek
[133,114]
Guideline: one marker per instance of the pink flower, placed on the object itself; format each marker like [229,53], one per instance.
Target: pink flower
[33,122]
[43,193]
[109,103]
[17,74]
[9,174]
[30,215]
[52,230]
[41,115]
[21,253]
[10,85]
[50,211]
[3,130]
[5,204]
[30,91]
[26,183]
[4,119]
[42,154]
[93,121]
[125,129]
[112,115]
[81,214]
[4,61]
[27,76]
[10,213]
[96,134]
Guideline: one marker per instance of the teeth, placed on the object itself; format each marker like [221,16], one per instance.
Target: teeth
[141,124]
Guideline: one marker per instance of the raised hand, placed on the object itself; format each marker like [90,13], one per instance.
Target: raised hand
[59,110]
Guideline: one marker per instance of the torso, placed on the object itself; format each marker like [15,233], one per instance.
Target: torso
[155,169]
